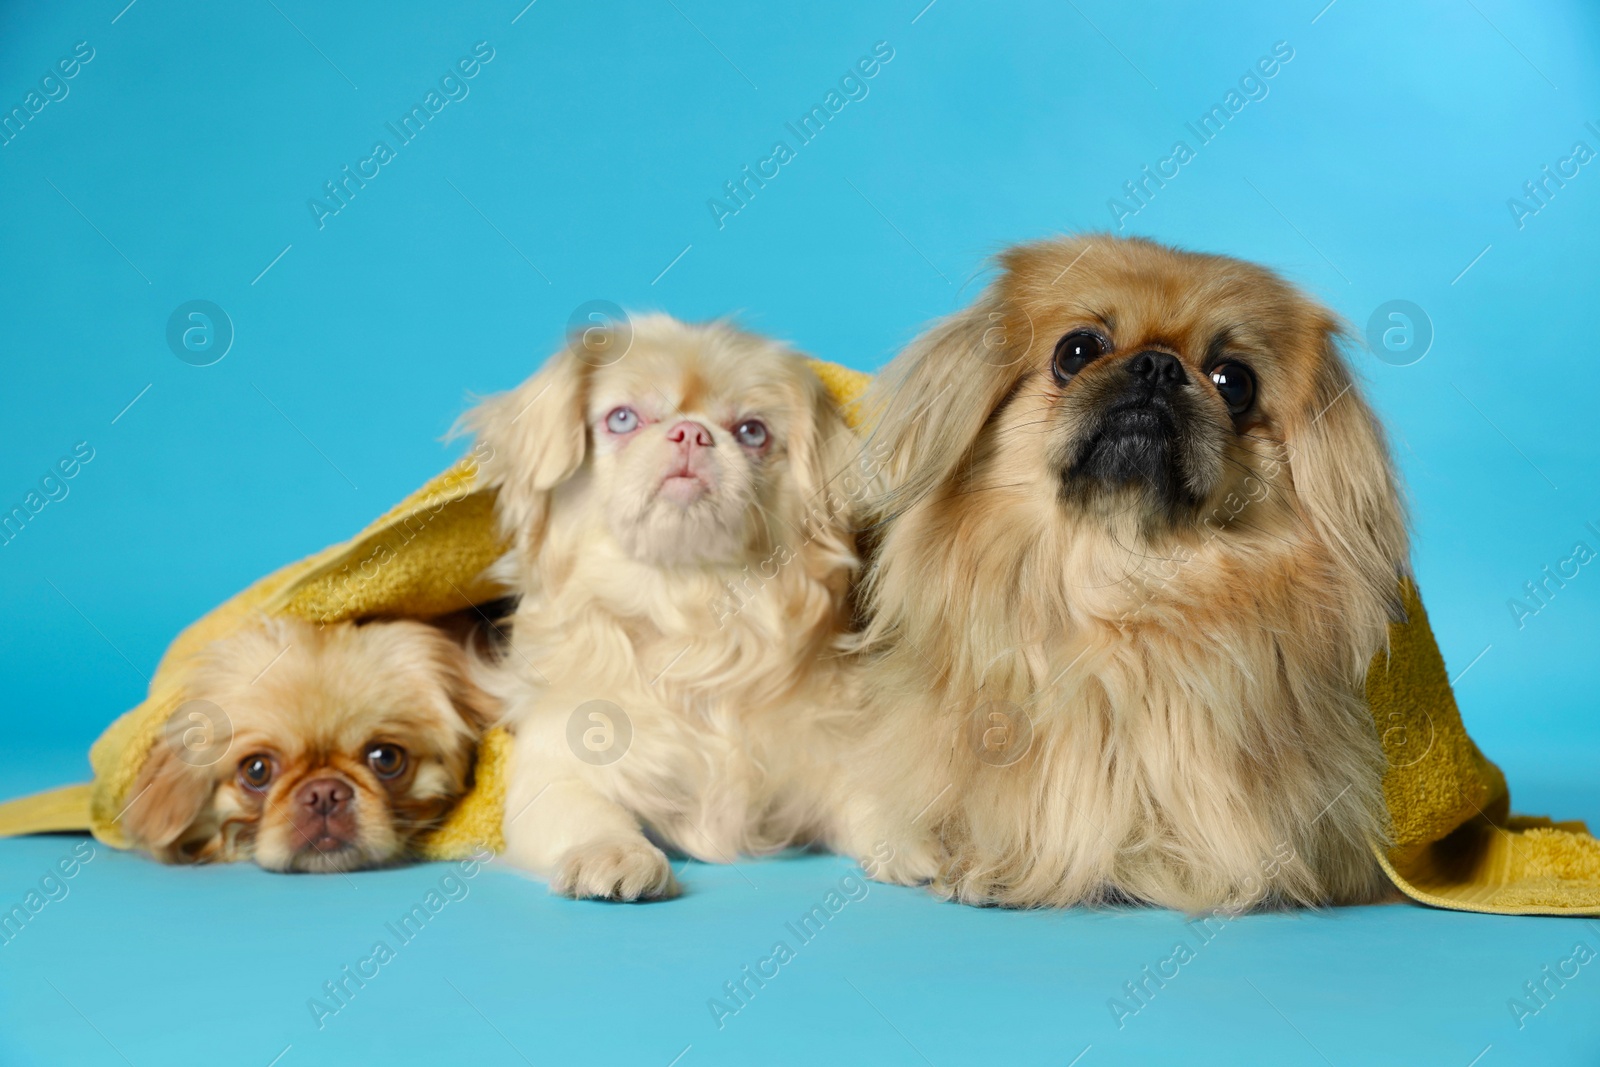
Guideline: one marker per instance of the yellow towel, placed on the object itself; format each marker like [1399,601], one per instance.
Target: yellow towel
[1456,845]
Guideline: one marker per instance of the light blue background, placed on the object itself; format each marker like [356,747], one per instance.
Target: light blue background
[179,165]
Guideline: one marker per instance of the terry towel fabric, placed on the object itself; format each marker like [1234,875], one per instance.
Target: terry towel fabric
[1456,845]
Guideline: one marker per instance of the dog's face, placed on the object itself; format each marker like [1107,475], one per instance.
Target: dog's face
[1151,401]
[1141,520]
[325,749]
[686,443]
[1126,376]
[682,436]
[1120,392]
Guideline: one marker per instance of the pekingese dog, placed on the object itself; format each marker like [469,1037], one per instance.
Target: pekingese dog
[311,748]
[676,499]
[1141,541]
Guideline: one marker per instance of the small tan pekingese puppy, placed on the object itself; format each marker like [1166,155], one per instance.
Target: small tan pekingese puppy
[310,748]
[1142,540]
[683,562]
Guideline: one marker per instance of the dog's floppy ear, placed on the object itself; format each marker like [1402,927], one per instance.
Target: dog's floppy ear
[445,650]
[475,706]
[532,439]
[457,661]
[926,410]
[168,798]
[1344,478]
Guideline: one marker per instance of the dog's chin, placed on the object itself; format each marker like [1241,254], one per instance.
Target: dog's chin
[336,857]
[329,846]
[684,490]
[329,854]
[1135,455]
[685,523]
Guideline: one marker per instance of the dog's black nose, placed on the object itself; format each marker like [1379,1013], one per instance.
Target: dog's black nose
[1157,368]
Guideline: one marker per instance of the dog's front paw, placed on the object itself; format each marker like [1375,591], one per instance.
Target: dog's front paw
[912,863]
[615,870]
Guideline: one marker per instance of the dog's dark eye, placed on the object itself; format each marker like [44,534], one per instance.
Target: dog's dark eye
[386,761]
[1076,351]
[1236,385]
[752,433]
[255,772]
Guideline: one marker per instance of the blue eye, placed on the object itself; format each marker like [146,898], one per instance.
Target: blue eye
[622,420]
[751,433]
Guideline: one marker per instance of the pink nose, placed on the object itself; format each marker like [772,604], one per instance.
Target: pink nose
[324,796]
[690,434]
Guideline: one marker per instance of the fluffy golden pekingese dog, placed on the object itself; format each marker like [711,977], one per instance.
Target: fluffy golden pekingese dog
[683,563]
[311,748]
[1141,542]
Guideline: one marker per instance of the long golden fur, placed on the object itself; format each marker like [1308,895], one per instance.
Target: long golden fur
[693,585]
[1118,635]
[311,748]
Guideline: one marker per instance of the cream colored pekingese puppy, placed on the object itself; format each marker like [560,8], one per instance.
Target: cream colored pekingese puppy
[310,748]
[1143,539]
[683,562]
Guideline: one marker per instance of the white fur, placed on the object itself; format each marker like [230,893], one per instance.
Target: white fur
[710,625]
